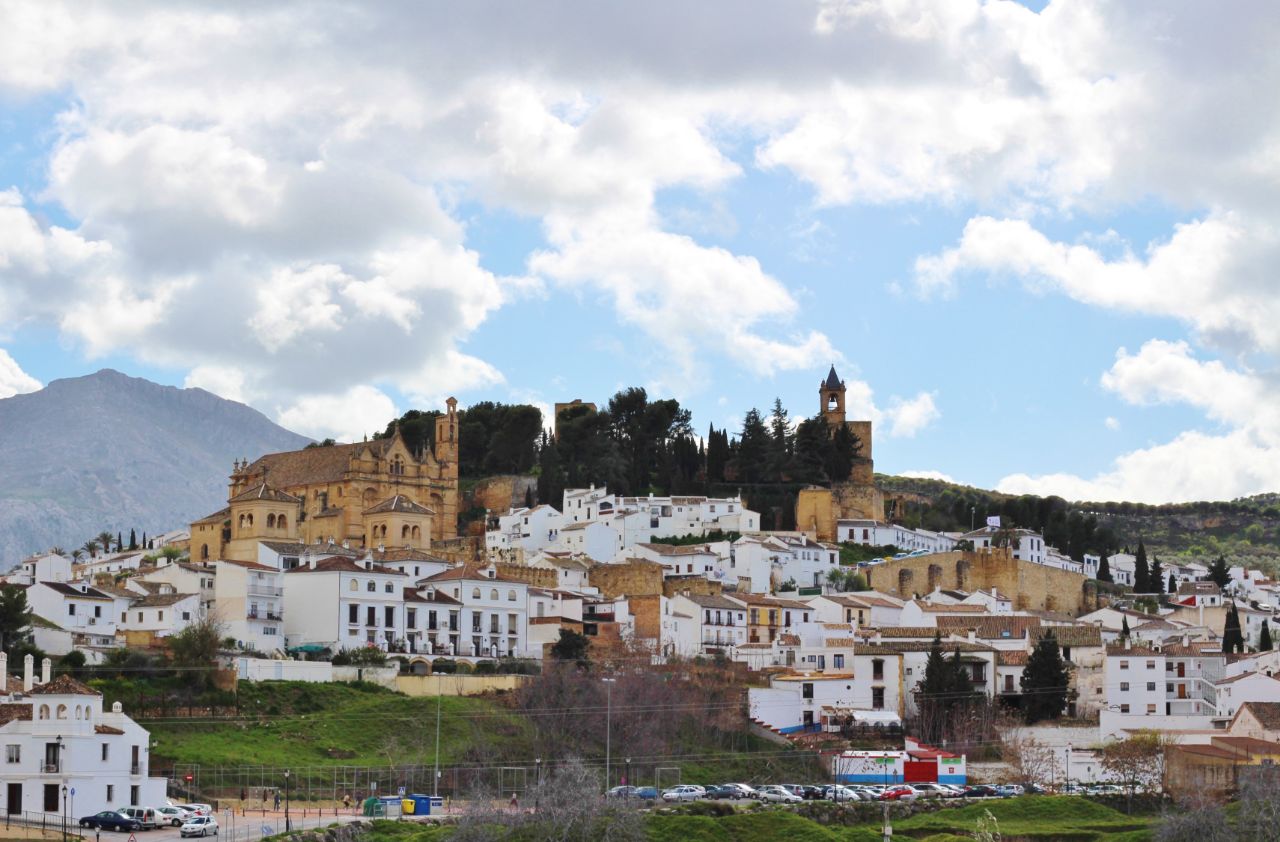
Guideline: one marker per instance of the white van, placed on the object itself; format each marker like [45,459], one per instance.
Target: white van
[144,816]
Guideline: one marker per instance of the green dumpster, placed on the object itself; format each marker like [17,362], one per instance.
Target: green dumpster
[373,807]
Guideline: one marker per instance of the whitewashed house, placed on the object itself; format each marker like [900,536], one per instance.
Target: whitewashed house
[341,603]
[49,567]
[249,600]
[161,614]
[493,612]
[526,529]
[79,608]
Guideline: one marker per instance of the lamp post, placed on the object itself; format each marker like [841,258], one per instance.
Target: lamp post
[537,782]
[627,781]
[64,809]
[287,826]
[608,728]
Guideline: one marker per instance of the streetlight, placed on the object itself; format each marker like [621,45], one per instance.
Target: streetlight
[537,786]
[608,728]
[287,826]
[64,809]
[627,781]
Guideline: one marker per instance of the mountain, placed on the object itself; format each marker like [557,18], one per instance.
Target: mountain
[109,451]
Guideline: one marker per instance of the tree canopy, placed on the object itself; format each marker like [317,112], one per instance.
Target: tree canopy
[1045,681]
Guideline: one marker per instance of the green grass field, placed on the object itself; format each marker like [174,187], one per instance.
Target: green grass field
[1024,819]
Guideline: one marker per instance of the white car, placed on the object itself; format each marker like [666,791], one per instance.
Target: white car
[200,826]
[744,791]
[842,793]
[778,795]
[930,790]
[196,809]
[684,792]
[176,816]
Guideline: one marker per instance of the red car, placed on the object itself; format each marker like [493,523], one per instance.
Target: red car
[899,793]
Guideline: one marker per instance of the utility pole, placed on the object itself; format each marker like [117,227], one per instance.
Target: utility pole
[435,785]
[888,828]
[608,729]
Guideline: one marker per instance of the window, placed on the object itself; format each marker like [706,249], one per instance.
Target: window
[1124,687]
[44,712]
[371,616]
[1124,665]
[1124,708]
[186,615]
[62,711]
[1151,686]
[512,625]
[411,618]
[877,698]
[71,609]
[511,596]
[493,594]
[353,586]
[97,610]
[111,793]
[1151,665]
[13,753]
[106,751]
[806,690]
[389,615]
[389,588]
[838,661]
[159,616]
[371,587]
[1151,709]
[139,616]
[877,669]
[475,593]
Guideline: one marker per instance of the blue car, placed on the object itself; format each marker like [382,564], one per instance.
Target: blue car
[110,820]
[646,792]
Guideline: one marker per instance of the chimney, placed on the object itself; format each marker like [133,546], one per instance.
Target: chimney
[46,671]
[4,672]
[28,667]
[973,635]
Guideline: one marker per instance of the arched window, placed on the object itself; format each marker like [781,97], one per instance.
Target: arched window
[372,587]
[511,596]
[417,533]
[88,712]
[475,593]
[389,588]
[404,531]
[280,522]
[62,711]
[271,521]
[44,711]
[204,551]
[354,586]
[241,522]
[493,594]
[79,711]
[250,518]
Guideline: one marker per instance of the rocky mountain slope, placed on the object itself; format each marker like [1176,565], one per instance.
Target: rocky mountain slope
[109,451]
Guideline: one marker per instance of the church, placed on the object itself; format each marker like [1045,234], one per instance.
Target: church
[818,509]
[368,494]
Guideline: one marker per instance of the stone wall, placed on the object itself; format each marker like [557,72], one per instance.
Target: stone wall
[691,586]
[647,611]
[458,685]
[539,577]
[818,509]
[635,577]
[500,494]
[1032,586]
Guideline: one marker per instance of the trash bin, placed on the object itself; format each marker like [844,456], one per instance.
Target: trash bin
[422,805]
[373,807]
[406,806]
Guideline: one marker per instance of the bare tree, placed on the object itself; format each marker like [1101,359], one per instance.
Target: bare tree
[1197,820]
[1029,759]
[1259,796]
[565,807]
[1138,762]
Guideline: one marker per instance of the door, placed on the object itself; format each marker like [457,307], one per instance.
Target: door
[14,799]
[51,798]
[1182,670]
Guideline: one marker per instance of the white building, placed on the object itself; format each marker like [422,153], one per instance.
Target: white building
[526,529]
[877,534]
[1171,688]
[493,612]
[161,614]
[340,603]
[767,561]
[646,518]
[188,578]
[717,623]
[56,734]
[249,600]
[49,567]
[1024,544]
[82,610]
[596,539]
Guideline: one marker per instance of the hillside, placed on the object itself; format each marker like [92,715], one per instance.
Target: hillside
[109,451]
[1246,529]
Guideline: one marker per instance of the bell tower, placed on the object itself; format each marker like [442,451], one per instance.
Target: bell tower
[447,438]
[831,397]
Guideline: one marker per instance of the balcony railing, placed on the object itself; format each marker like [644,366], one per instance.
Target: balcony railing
[271,616]
[266,590]
[52,767]
[135,769]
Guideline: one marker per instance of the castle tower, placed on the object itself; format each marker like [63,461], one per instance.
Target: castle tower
[831,396]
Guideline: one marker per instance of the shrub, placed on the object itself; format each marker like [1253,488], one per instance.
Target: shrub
[444,666]
[486,668]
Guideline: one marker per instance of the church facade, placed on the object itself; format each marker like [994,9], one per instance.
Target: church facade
[367,494]
[818,509]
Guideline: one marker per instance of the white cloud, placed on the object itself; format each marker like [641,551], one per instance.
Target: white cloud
[908,417]
[225,382]
[13,380]
[347,416]
[938,475]
[1111,422]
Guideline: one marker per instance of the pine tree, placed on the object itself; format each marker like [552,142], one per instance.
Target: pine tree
[934,692]
[1156,576]
[753,448]
[1264,638]
[1232,639]
[119,541]
[1141,573]
[1218,572]
[133,540]
[1124,629]
[1173,583]
[1045,681]
[144,541]
[781,443]
[1104,569]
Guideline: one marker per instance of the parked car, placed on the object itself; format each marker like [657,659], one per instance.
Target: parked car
[621,792]
[902,792]
[778,795]
[1009,790]
[720,792]
[1104,789]
[931,790]
[110,820]
[684,792]
[199,826]
[980,791]
[744,791]
[813,792]
[794,789]
[841,793]
[646,793]
[175,816]
[145,816]
[197,809]
[1033,789]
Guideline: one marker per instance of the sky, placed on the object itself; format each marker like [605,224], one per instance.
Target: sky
[1038,241]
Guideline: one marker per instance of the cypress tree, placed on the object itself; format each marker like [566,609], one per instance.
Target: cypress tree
[1104,569]
[1045,681]
[1124,629]
[1264,638]
[1141,573]
[119,541]
[144,541]
[1156,576]
[133,540]
[1173,583]
[1232,639]
[1218,573]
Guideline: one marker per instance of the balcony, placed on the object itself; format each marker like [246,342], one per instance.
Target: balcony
[266,591]
[51,768]
[135,769]
[266,616]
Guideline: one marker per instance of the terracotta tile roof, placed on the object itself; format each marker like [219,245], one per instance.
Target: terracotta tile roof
[220,514]
[248,565]
[295,548]
[897,647]
[469,572]
[262,491]
[953,609]
[1207,751]
[313,464]
[64,685]
[1249,745]
[160,600]
[414,595]
[14,711]
[1011,659]
[834,642]
[401,504]
[341,564]
[906,631]
[709,601]
[406,554]
[1267,713]
[669,549]
[106,729]
[789,639]
[991,627]
[1078,635]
